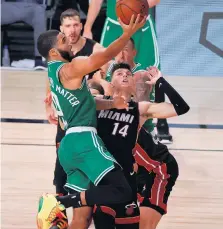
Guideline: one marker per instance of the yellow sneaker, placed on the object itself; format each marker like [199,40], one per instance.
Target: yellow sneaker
[48,210]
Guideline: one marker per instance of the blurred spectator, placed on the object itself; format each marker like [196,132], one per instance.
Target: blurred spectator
[63,5]
[31,12]
[78,5]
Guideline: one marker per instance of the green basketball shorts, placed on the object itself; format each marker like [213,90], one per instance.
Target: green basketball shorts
[85,159]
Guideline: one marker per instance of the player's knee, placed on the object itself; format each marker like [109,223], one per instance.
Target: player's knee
[80,222]
[149,218]
[150,224]
[104,217]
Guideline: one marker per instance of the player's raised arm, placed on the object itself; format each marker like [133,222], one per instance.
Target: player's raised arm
[93,11]
[117,102]
[163,110]
[81,66]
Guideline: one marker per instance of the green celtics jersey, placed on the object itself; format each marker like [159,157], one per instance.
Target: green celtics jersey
[111,9]
[74,107]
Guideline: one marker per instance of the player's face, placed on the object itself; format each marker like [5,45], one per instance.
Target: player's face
[122,78]
[71,27]
[127,55]
[63,48]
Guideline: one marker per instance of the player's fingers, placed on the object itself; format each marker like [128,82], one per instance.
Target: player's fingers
[131,23]
[148,68]
[127,106]
[123,97]
[120,22]
[118,94]
[149,82]
[137,19]
[150,75]
[143,21]
[52,120]
[152,68]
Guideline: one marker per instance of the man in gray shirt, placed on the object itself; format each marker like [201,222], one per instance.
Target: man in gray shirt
[31,12]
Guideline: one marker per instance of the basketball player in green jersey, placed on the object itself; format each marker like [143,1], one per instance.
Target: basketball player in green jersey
[144,38]
[145,43]
[87,162]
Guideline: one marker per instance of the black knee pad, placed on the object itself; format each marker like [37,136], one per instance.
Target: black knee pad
[127,226]
[104,217]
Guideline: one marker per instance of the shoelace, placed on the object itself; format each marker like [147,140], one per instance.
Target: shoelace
[53,214]
[62,224]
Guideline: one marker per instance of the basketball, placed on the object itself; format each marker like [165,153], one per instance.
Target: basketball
[126,8]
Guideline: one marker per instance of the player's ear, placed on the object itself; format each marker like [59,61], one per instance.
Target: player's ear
[53,52]
[61,29]
[134,52]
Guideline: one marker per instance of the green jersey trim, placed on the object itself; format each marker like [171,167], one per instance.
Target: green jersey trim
[136,66]
[57,72]
[54,61]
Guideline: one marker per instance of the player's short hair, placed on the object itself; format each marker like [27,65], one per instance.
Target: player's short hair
[120,65]
[96,86]
[47,41]
[69,13]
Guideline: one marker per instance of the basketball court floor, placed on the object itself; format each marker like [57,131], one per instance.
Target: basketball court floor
[28,152]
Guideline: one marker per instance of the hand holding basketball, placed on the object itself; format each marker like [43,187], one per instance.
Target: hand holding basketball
[126,8]
[133,26]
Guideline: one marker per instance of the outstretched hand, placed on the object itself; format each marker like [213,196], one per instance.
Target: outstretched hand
[142,88]
[51,115]
[133,25]
[120,102]
[153,74]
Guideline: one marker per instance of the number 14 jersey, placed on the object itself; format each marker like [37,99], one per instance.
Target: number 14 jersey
[118,130]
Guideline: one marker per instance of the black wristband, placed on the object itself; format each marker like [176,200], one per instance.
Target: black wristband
[107,97]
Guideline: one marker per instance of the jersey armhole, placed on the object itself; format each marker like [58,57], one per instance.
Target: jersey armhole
[57,71]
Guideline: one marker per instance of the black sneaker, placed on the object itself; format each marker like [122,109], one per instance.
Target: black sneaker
[40,65]
[163,132]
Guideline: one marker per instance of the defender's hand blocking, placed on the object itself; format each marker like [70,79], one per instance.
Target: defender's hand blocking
[51,115]
[108,88]
[133,26]
[153,74]
[120,103]
[142,88]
